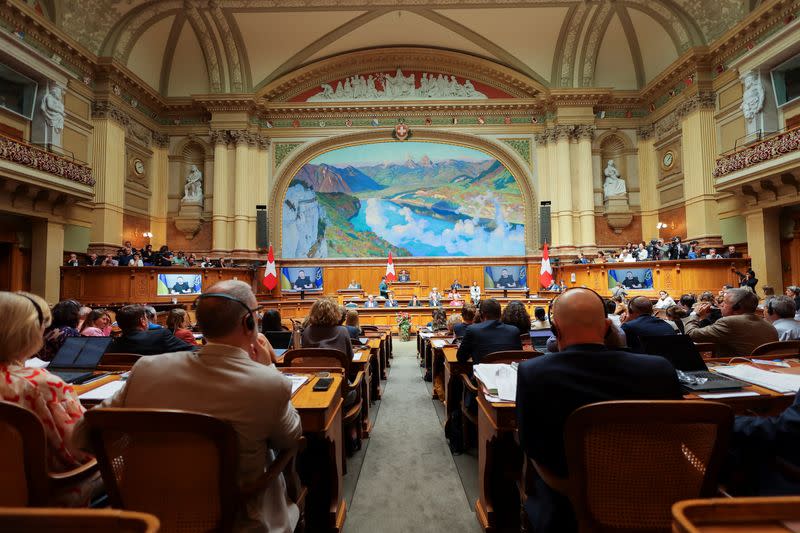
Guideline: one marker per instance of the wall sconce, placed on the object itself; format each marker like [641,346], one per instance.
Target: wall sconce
[660,226]
[147,235]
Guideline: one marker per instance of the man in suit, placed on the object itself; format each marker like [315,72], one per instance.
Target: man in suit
[640,322]
[383,288]
[739,330]
[232,378]
[370,302]
[584,371]
[404,276]
[731,253]
[136,338]
[390,301]
[488,336]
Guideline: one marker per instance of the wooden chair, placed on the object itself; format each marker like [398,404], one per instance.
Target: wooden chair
[23,461]
[630,461]
[179,466]
[118,361]
[783,349]
[25,520]
[317,358]
[735,514]
[470,389]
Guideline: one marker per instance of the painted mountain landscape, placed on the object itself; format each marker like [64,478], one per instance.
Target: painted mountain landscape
[410,198]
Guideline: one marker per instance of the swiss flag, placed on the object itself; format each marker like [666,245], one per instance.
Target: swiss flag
[270,279]
[546,271]
[390,269]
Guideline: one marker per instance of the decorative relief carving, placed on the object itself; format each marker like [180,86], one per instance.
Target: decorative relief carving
[161,140]
[219,137]
[231,49]
[703,100]
[763,151]
[206,43]
[562,132]
[569,51]
[584,131]
[593,43]
[282,150]
[29,156]
[521,146]
[107,110]
[645,132]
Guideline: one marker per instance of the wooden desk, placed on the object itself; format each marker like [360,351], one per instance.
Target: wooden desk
[404,290]
[736,515]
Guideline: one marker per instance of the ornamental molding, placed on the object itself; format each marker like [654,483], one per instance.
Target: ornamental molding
[49,162]
[766,150]
[584,132]
[703,100]
[107,110]
[644,133]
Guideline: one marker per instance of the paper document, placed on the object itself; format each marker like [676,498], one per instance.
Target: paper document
[357,356]
[438,343]
[716,395]
[500,380]
[35,362]
[762,378]
[104,391]
[297,381]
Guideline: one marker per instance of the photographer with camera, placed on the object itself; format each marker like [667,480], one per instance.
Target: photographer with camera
[677,250]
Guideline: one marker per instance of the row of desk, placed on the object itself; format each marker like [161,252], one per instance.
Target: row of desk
[321,466]
[500,458]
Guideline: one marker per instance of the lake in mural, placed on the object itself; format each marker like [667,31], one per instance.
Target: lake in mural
[410,198]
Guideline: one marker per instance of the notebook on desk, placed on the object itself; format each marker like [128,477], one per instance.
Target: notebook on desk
[682,353]
[78,357]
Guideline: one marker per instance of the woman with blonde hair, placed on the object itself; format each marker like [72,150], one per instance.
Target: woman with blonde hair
[97,324]
[351,323]
[322,329]
[177,322]
[25,318]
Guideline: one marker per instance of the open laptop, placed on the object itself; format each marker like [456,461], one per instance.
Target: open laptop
[78,357]
[539,339]
[682,353]
[280,340]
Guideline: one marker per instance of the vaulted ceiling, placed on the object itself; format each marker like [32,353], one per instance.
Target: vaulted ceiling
[183,47]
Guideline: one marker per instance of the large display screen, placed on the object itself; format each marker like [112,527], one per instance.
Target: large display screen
[631,278]
[301,278]
[505,277]
[179,284]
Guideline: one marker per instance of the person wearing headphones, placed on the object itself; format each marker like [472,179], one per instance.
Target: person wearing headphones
[232,378]
[583,371]
[779,311]
[639,321]
[137,338]
[739,331]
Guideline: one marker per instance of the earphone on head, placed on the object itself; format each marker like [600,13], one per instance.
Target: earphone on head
[249,322]
[38,308]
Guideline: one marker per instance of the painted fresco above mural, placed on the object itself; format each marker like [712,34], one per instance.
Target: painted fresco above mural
[400,85]
[410,198]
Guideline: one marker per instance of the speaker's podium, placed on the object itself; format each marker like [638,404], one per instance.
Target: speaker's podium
[404,290]
[511,292]
[349,294]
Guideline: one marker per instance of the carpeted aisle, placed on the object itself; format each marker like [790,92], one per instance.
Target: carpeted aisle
[408,481]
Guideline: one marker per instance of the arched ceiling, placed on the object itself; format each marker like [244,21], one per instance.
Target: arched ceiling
[183,47]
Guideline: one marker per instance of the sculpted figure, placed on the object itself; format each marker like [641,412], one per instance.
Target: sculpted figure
[613,185]
[53,109]
[193,190]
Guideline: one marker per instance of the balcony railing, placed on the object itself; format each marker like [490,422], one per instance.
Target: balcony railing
[765,150]
[30,156]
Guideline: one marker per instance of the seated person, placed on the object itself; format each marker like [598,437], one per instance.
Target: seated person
[554,286]
[303,282]
[739,331]
[271,321]
[455,298]
[439,320]
[180,286]
[414,302]
[64,324]
[563,286]
[581,259]
[25,317]
[490,335]
[404,276]
[72,261]
[434,298]
[93,260]
[178,324]
[322,328]
[640,322]
[351,323]
[516,315]
[455,285]
[540,319]
[505,281]
[97,324]
[136,338]
[600,257]
[371,301]
[712,254]
[779,311]
[675,315]
[354,285]
[452,322]
[664,300]
[136,261]
[619,291]
[582,372]
[731,253]
[715,313]
[238,359]
[152,317]
[391,301]
[467,318]
[352,304]
[179,259]
[631,281]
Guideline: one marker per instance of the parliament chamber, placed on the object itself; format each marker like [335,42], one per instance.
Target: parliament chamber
[407,265]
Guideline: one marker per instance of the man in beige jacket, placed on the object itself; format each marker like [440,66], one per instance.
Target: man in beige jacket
[739,331]
[231,378]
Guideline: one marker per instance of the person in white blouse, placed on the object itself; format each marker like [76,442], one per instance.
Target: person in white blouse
[475,293]
[627,257]
[641,252]
[664,300]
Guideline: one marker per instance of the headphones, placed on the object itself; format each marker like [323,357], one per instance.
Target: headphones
[249,321]
[36,306]
[553,328]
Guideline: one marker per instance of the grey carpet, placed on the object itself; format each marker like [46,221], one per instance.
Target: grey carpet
[408,481]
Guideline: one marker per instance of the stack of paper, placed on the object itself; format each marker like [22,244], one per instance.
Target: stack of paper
[438,343]
[297,381]
[357,356]
[107,390]
[500,380]
[782,383]
[35,362]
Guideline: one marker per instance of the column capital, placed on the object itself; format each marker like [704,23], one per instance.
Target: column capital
[161,140]
[219,137]
[107,110]
[702,100]
[240,137]
[263,142]
[563,132]
[584,132]
[644,133]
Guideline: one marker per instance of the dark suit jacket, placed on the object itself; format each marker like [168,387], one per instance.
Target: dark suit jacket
[552,386]
[647,326]
[460,329]
[150,342]
[487,337]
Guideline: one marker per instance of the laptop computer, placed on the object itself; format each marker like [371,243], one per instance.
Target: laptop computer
[682,353]
[539,339]
[279,339]
[78,357]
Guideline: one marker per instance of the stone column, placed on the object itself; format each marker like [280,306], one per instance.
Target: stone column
[47,256]
[648,182]
[243,193]
[585,194]
[699,151]
[108,167]
[219,217]
[764,245]
[159,187]
[563,184]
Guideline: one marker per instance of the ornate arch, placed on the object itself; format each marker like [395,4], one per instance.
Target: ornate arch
[303,155]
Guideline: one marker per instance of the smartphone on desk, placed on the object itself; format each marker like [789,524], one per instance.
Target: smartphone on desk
[322,384]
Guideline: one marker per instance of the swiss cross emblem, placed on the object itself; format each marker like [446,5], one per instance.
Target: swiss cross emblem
[401,132]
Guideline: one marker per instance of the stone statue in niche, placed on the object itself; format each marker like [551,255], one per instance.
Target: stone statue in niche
[193,190]
[753,96]
[613,185]
[53,109]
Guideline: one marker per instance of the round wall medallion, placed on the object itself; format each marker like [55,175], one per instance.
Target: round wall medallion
[138,167]
[668,160]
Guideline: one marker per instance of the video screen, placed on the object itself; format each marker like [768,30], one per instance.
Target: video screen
[505,277]
[631,278]
[301,279]
[179,284]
